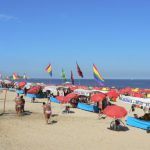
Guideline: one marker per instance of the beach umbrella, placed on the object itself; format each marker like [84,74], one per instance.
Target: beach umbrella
[138,95]
[113,95]
[105,89]
[125,91]
[7,81]
[136,90]
[72,88]
[95,88]
[21,84]
[72,96]
[98,97]
[146,91]
[83,87]
[34,90]
[115,111]
[62,99]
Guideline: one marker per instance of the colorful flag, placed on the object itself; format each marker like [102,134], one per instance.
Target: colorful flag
[97,75]
[72,78]
[15,76]
[0,76]
[79,71]
[63,75]
[49,69]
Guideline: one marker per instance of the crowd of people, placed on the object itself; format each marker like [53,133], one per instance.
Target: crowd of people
[47,110]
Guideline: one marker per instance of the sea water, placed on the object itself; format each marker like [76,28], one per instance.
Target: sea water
[118,83]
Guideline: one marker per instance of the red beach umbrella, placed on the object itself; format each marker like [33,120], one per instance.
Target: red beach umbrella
[62,99]
[34,90]
[83,87]
[96,88]
[72,95]
[113,94]
[21,84]
[138,95]
[72,88]
[98,97]
[115,111]
[146,91]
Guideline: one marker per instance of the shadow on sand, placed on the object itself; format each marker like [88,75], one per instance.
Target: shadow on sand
[26,113]
[53,122]
[70,112]
[55,115]
[36,102]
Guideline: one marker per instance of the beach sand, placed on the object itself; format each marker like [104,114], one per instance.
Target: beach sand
[80,130]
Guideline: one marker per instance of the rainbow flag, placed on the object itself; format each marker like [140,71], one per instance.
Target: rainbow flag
[97,75]
[15,76]
[49,69]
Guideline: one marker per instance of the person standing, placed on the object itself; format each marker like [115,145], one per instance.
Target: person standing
[22,103]
[47,111]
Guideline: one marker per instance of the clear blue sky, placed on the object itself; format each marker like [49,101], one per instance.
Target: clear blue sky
[113,34]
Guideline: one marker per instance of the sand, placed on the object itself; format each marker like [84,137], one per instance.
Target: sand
[80,130]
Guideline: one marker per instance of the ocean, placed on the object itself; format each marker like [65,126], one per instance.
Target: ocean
[118,83]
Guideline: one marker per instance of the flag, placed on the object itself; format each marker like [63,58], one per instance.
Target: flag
[49,69]
[15,76]
[63,75]
[0,76]
[72,78]
[99,79]
[7,77]
[24,77]
[79,71]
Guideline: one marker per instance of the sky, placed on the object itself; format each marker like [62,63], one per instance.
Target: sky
[112,34]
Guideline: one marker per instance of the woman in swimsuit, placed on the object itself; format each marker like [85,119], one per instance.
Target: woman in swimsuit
[47,111]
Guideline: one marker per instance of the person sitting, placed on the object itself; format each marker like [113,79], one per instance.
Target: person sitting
[146,117]
[115,125]
[136,116]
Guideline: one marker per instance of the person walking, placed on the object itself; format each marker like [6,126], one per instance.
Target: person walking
[47,111]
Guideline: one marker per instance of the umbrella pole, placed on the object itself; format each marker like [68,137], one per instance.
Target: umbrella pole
[5,101]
